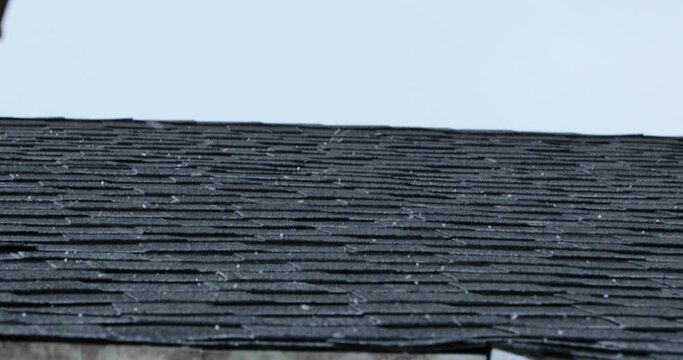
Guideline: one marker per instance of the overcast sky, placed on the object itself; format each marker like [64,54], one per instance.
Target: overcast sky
[608,66]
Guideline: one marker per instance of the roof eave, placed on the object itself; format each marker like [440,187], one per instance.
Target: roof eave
[3,5]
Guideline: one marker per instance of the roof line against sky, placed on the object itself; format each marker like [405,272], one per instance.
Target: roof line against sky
[346,126]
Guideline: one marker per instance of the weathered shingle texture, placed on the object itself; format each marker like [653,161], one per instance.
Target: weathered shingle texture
[322,237]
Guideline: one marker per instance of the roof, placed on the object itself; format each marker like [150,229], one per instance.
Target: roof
[292,236]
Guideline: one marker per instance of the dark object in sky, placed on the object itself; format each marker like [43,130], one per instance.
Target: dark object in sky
[283,236]
[3,5]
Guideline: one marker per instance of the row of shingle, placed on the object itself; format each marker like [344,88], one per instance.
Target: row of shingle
[340,244]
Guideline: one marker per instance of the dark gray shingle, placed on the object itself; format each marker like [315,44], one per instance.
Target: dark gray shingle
[341,237]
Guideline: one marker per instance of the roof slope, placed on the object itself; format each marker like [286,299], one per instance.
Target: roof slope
[324,237]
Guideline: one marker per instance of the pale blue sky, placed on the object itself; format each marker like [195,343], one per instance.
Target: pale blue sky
[590,66]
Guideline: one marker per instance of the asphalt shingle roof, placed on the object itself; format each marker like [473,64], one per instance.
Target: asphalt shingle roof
[251,235]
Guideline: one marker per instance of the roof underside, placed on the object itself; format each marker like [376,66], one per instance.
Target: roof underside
[282,236]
